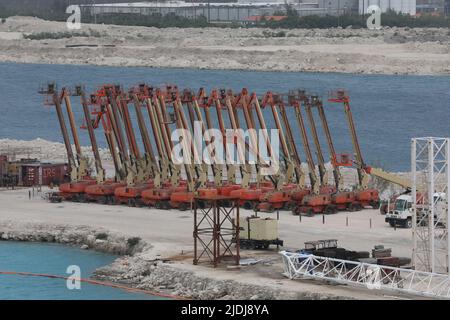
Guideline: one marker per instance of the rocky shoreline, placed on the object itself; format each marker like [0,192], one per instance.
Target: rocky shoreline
[139,267]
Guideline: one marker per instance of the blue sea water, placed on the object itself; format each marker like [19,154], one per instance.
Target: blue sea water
[389,110]
[44,258]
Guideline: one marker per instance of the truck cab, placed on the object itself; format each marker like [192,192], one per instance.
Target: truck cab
[401,214]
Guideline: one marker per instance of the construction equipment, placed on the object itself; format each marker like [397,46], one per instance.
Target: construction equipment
[281,199]
[364,195]
[144,178]
[81,171]
[348,200]
[103,191]
[146,166]
[300,191]
[229,100]
[184,199]
[159,195]
[250,196]
[221,101]
[316,202]
[79,174]
[342,199]
[325,187]
[53,197]
[197,122]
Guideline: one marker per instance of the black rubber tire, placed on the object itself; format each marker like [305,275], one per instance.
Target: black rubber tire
[183,206]
[166,205]
[247,205]
[131,203]
[226,203]
[408,224]
[329,210]
[159,205]
[310,212]
[288,206]
[351,207]
[139,203]
[112,200]
[375,204]
[81,198]
[201,204]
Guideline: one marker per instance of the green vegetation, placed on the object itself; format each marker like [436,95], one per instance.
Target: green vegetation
[154,20]
[133,241]
[56,11]
[272,34]
[4,13]
[61,35]
[389,19]
[101,236]
[45,9]
[292,21]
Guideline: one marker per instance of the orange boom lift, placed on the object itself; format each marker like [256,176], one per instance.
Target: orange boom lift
[217,100]
[343,200]
[300,191]
[146,166]
[192,163]
[103,191]
[325,187]
[280,199]
[364,195]
[159,195]
[315,202]
[227,101]
[79,171]
[249,196]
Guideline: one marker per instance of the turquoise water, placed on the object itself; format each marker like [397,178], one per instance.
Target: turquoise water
[54,259]
[388,110]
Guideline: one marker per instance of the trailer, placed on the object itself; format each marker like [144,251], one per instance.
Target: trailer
[258,233]
[259,244]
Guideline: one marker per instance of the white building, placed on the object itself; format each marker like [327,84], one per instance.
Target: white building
[404,6]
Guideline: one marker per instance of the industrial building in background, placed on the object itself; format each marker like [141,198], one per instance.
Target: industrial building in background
[249,10]
[404,6]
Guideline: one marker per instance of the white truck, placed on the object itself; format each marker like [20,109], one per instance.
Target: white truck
[402,213]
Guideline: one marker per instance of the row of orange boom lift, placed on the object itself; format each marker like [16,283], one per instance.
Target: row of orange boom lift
[150,177]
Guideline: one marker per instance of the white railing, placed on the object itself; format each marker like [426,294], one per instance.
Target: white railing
[370,276]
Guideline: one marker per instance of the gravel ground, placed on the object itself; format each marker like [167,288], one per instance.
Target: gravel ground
[387,51]
[164,259]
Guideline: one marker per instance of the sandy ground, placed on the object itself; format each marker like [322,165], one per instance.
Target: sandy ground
[387,51]
[170,234]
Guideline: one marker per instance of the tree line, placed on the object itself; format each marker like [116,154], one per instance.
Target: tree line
[55,10]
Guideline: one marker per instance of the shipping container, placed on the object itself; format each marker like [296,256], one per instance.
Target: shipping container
[44,174]
[3,164]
